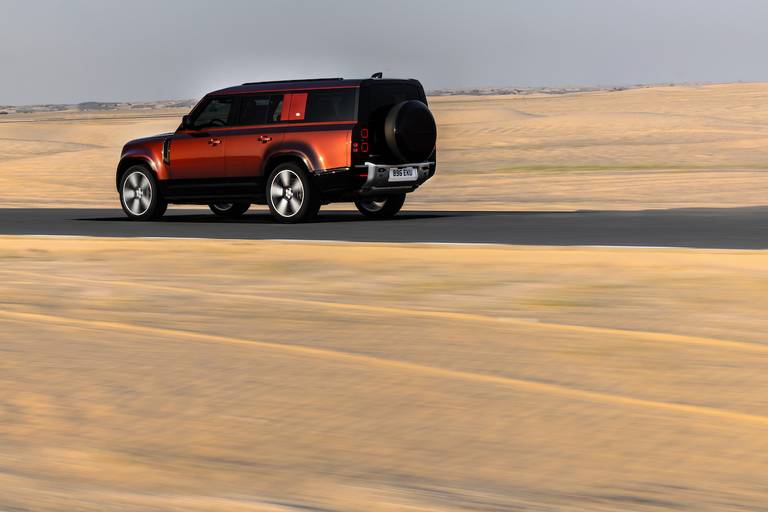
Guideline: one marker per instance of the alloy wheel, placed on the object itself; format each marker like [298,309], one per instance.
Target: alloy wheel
[286,193]
[137,193]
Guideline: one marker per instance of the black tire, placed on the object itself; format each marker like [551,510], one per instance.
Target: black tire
[291,196]
[410,131]
[229,210]
[384,207]
[140,195]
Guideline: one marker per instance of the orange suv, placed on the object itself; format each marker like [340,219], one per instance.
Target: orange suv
[293,145]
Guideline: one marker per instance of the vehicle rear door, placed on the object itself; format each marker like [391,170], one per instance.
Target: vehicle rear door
[377,99]
[200,150]
[255,135]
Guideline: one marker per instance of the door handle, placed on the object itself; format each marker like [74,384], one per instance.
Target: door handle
[214,142]
[265,138]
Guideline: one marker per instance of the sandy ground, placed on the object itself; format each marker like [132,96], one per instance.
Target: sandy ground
[248,376]
[643,148]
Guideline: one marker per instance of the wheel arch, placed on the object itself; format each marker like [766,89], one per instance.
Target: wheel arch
[287,157]
[129,161]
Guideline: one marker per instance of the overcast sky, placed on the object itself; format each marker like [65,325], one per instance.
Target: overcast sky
[62,51]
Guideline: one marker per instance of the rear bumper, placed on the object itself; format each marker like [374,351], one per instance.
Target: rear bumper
[377,182]
[369,179]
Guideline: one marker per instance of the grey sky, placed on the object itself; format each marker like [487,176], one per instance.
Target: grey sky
[78,50]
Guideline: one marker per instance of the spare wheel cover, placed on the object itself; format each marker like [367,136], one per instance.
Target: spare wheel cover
[410,131]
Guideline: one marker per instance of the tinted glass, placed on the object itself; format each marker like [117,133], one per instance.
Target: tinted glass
[384,96]
[215,113]
[331,105]
[277,109]
[260,109]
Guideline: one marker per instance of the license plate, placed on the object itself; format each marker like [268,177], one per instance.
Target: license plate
[403,174]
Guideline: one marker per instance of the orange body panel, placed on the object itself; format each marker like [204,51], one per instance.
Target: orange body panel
[198,155]
[246,150]
[328,146]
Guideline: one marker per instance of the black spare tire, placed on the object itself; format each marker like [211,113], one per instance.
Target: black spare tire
[410,131]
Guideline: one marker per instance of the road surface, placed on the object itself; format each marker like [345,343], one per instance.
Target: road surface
[726,228]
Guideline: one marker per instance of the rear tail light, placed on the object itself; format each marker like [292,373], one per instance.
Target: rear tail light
[360,143]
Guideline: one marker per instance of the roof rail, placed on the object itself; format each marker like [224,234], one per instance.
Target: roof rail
[293,81]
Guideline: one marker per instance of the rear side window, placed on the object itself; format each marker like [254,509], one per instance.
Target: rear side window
[260,109]
[331,105]
[217,112]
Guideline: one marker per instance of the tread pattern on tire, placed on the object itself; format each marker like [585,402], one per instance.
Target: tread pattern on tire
[392,206]
[237,210]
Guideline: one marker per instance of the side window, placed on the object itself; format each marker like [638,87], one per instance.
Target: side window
[276,108]
[260,109]
[331,105]
[215,113]
[253,110]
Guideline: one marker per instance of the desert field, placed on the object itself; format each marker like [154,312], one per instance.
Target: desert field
[224,375]
[218,375]
[663,147]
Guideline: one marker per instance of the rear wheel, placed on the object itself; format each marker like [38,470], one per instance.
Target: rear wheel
[140,195]
[290,194]
[384,207]
[229,210]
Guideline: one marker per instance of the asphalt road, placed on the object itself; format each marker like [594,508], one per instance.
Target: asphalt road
[727,228]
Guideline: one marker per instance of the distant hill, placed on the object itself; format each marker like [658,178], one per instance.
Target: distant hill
[100,106]
[97,106]
[521,91]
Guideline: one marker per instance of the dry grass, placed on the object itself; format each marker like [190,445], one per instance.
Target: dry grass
[253,376]
[250,376]
[642,148]
[68,159]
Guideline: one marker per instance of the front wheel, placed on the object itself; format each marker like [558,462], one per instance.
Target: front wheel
[229,210]
[140,195]
[384,207]
[290,195]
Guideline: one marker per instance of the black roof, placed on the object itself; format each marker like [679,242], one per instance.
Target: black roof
[295,81]
[294,85]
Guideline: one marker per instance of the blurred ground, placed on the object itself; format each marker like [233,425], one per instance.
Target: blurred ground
[660,147]
[226,375]
[237,375]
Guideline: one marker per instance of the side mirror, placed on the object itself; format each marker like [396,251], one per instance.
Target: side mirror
[186,123]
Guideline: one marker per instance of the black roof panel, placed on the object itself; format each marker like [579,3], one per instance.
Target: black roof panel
[294,85]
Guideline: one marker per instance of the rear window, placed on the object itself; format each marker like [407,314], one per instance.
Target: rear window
[331,105]
[378,98]
[384,96]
